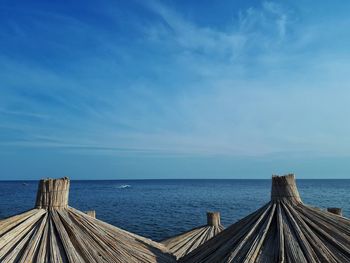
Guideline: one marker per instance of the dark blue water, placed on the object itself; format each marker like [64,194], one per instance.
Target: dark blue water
[161,208]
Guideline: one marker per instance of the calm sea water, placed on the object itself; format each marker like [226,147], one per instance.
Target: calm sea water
[161,208]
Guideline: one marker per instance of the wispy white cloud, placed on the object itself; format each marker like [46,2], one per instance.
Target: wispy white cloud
[264,27]
[23,113]
[189,36]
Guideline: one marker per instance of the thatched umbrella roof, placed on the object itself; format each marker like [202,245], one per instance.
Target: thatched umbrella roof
[283,230]
[182,244]
[56,232]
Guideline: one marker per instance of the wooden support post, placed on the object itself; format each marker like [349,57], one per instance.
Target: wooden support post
[285,188]
[335,210]
[53,193]
[213,218]
[91,213]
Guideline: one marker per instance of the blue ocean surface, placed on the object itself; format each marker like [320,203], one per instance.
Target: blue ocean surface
[161,208]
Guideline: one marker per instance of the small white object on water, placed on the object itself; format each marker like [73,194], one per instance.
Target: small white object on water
[124,186]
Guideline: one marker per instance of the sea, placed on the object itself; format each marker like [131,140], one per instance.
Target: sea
[158,209]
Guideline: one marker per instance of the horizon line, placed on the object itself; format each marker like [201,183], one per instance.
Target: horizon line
[168,179]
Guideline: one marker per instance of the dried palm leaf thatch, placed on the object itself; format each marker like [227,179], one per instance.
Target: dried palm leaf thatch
[56,232]
[283,230]
[182,244]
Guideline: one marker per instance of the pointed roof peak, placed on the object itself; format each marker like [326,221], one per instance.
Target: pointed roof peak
[53,193]
[213,219]
[284,188]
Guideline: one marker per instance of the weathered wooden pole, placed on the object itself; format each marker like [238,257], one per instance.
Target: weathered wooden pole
[91,213]
[52,193]
[284,188]
[335,210]
[213,219]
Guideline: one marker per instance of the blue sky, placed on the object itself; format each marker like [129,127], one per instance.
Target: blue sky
[174,89]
